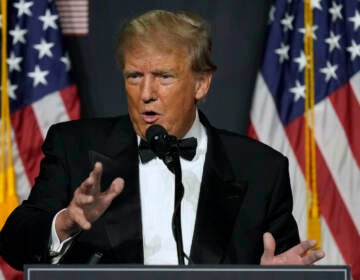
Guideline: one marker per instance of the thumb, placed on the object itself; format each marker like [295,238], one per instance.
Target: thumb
[269,246]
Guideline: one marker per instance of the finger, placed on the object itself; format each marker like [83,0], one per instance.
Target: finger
[114,190]
[313,256]
[269,246]
[83,199]
[303,247]
[96,173]
[78,216]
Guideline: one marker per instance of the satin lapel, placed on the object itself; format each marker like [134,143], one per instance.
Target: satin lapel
[123,218]
[219,202]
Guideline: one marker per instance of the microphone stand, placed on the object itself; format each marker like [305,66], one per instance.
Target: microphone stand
[172,161]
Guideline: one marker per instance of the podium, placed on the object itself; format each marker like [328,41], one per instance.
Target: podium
[193,272]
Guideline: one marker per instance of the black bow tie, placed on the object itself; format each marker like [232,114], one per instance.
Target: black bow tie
[187,149]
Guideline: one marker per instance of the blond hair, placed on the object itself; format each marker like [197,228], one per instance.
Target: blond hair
[165,29]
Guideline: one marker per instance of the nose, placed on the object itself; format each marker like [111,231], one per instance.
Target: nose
[148,90]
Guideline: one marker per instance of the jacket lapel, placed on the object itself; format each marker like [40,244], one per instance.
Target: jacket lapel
[123,218]
[220,198]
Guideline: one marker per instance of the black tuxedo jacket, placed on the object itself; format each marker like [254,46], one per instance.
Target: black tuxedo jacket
[245,192]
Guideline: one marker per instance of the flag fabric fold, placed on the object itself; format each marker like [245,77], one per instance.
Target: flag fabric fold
[317,130]
[40,91]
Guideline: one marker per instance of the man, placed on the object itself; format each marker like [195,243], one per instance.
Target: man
[236,189]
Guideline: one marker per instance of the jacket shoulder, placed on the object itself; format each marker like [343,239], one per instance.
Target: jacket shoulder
[247,146]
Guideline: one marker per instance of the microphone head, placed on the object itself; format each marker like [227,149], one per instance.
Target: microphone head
[157,137]
[155,131]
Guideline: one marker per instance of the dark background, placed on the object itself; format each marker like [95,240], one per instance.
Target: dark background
[238,31]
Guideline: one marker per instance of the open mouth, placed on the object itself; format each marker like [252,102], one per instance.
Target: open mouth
[150,116]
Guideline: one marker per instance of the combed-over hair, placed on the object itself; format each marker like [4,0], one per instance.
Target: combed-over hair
[166,30]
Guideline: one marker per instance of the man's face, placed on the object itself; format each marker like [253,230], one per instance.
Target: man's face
[162,89]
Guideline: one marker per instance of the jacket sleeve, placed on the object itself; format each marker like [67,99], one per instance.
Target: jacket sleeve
[25,236]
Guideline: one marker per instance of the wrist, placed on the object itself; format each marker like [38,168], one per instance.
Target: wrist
[65,226]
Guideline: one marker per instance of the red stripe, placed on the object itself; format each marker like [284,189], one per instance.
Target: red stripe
[29,140]
[71,101]
[348,110]
[331,204]
[10,273]
[251,132]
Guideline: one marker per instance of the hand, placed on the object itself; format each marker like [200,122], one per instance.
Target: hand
[297,255]
[87,205]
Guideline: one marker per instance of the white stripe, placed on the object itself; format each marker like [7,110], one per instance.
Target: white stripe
[355,84]
[332,252]
[334,146]
[2,277]
[77,25]
[23,186]
[74,20]
[49,110]
[270,130]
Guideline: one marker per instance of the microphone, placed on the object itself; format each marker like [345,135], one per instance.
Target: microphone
[163,145]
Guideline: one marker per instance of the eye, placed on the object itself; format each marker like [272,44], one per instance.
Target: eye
[166,78]
[133,77]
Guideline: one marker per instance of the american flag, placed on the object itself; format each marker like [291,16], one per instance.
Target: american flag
[278,115]
[40,89]
[74,17]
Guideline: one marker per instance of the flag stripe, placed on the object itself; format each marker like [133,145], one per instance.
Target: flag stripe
[23,186]
[49,110]
[348,111]
[355,84]
[337,218]
[71,101]
[8,273]
[77,19]
[338,157]
[29,140]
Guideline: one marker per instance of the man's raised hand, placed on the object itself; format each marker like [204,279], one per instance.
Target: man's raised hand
[87,205]
[297,255]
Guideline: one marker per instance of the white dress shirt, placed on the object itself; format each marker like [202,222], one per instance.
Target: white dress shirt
[157,185]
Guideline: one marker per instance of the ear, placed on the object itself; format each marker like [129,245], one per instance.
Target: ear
[202,85]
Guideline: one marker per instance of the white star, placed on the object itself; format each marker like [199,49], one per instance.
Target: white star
[335,11]
[272,14]
[356,20]
[48,20]
[298,91]
[301,60]
[309,31]
[38,76]
[66,60]
[354,49]
[315,4]
[333,41]
[44,48]
[18,35]
[283,52]
[14,62]
[11,90]
[287,22]
[329,71]
[23,8]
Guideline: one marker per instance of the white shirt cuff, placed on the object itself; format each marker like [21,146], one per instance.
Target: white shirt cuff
[56,248]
